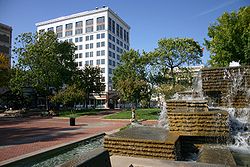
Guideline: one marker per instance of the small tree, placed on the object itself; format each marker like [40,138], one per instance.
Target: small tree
[4,70]
[89,80]
[69,96]
[229,38]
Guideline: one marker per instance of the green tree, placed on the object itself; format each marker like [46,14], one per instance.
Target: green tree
[230,38]
[174,53]
[4,70]
[129,78]
[69,96]
[169,59]
[43,62]
[89,80]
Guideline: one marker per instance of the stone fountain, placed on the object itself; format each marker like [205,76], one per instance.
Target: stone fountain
[192,123]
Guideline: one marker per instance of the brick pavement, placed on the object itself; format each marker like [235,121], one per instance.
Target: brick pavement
[25,135]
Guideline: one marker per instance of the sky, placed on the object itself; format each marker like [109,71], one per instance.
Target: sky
[150,20]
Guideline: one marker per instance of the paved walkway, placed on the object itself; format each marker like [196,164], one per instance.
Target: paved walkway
[25,135]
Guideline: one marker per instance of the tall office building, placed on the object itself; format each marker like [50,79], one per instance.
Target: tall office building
[5,41]
[100,36]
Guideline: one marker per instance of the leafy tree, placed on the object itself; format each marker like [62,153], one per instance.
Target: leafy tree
[168,61]
[69,95]
[89,80]
[4,70]
[43,62]
[230,38]
[174,53]
[129,78]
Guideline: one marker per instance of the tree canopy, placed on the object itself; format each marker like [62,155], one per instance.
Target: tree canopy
[230,38]
[4,70]
[174,53]
[129,78]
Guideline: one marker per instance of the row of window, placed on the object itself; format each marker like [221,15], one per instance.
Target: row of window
[119,42]
[91,63]
[115,28]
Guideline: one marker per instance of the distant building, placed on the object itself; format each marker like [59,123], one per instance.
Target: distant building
[5,41]
[101,36]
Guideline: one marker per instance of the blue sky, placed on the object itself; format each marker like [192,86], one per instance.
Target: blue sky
[150,20]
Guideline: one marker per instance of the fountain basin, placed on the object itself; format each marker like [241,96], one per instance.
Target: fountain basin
[148,142]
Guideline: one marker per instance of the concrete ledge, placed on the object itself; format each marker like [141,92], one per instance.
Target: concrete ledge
[216,154]
[96,158]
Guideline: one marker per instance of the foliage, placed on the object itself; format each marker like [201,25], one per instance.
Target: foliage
[169,90]
[141,114]
[4,70]
[43,63]
[174,53]
[230,38]
[129,78]
[69,95]
[89,80]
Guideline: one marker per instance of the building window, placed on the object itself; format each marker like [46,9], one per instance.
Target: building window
[87,46]
[59,28]
[76,40]
[68,26]
[118,57]
[113,26]
[102,35]
[80,47]
[98,53]
[80,55]
[70,40]
[102,52]
[78,31]
[87,54]
[118,30]
[87,38]
[87,62]
[76,56]
[121,32]
[80,63]
[100,20]
[110,62]
[59,34]
[80,39]
[91,45]
[110,70]
[109,24]
[98,62]
[68,33]
[102,61]
[91,62]
[89,22]
[91,37]
[90,54]
[51,29]
[102,44]
[78,24]
[114,55]
[100,27]
[89,29]
[98,44]
[98,36]
[113,63]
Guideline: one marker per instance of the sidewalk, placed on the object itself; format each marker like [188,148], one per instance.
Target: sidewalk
[25,135]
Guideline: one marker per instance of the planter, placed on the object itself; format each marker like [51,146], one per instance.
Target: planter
[72,121]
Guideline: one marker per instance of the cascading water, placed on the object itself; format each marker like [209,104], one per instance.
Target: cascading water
[239,118]
[163,119]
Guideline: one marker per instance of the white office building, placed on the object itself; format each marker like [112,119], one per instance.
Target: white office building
[100,36]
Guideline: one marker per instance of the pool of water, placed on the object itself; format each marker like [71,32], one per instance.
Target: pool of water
[54,159]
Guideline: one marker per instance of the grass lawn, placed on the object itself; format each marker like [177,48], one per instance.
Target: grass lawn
[146,114]
[78,113]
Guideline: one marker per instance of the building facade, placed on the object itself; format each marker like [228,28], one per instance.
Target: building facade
[5,41]
[100,36]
